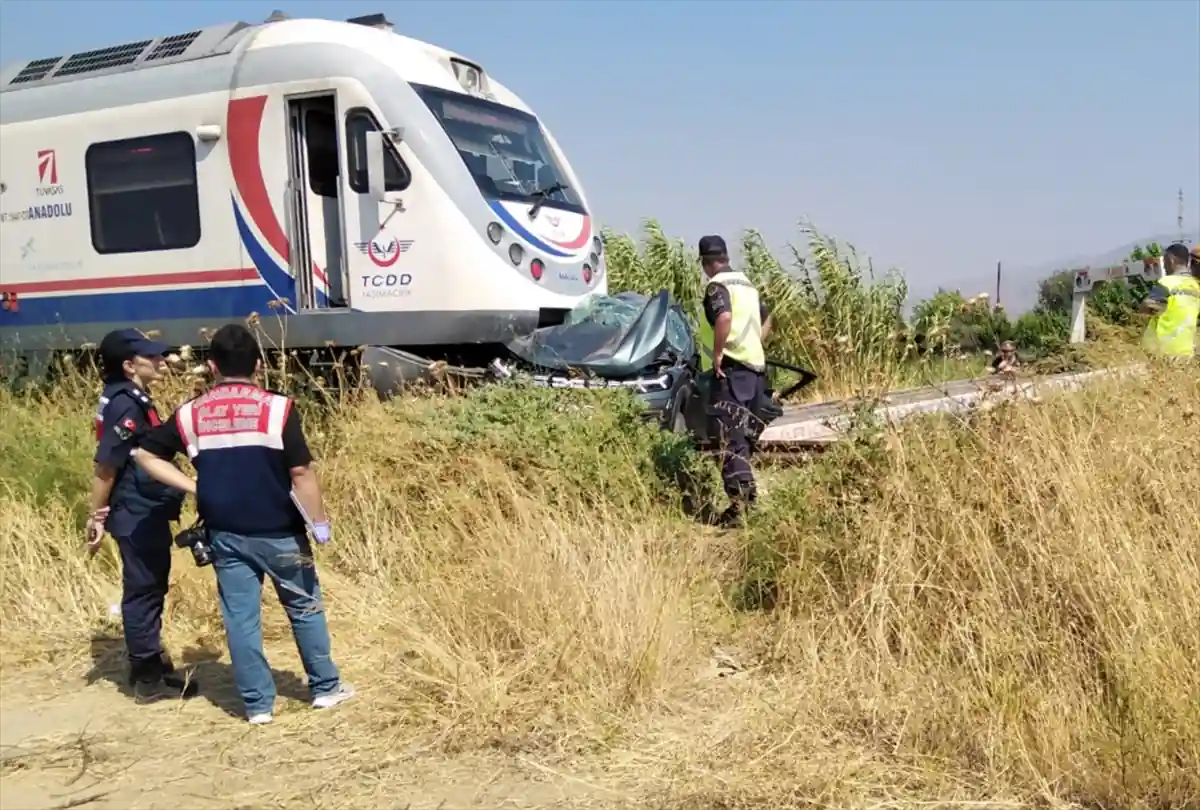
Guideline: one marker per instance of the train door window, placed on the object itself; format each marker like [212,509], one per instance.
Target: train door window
[396,175]
[142,194]
[320,141]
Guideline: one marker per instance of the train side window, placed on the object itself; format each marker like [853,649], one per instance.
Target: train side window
[320,136]
[142,194]
[396,175]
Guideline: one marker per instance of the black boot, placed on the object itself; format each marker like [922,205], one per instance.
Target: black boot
[739,505]
[731,518]
[157,678]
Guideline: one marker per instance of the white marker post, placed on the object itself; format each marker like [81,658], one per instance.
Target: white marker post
[1087,278]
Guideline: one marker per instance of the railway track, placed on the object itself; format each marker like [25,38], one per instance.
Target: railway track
[809,428]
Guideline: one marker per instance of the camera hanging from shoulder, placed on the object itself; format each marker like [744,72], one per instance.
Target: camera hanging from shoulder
[195,539]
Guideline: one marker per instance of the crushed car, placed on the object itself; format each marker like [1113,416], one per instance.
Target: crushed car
[632,341]
[618,341]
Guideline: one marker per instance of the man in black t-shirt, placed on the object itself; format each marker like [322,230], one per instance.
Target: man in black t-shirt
[259,498]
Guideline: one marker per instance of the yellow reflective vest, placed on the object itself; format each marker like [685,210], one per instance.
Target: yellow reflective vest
[744,343]
[1172,332]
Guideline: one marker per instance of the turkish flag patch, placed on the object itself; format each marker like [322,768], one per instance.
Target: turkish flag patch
[129,425]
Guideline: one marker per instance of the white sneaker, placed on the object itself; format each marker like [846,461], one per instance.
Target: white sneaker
[261,719]
[340,695]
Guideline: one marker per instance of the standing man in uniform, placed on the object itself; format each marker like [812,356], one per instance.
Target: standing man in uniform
[251,459]
[736,323]
[1174,301]
[135,509]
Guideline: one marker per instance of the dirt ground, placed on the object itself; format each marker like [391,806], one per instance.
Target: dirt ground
[70,740]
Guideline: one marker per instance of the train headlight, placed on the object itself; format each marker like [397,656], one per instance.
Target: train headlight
[536,268]
[495,232]
[597,245]
[516,253]
[470,77]
[594,259]
[587,274]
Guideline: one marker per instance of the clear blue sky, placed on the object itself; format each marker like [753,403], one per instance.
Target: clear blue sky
[939,137]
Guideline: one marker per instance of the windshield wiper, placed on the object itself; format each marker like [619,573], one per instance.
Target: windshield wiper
[508,167]
[540,195]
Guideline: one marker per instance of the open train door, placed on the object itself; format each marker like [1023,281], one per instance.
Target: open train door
[317,255]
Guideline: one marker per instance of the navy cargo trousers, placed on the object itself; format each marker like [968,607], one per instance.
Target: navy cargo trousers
[145,571]
[734,399]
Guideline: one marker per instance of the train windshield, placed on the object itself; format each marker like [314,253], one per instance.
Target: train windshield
[504,149]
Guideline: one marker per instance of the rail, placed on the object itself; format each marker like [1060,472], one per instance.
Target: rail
[820,424]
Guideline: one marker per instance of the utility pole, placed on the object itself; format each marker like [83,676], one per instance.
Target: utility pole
[1179,215]
[997,285]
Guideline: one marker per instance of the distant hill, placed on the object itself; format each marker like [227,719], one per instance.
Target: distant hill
[1020,285]
[1120,253]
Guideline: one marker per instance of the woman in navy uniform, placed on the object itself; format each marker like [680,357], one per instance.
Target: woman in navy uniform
[134,508]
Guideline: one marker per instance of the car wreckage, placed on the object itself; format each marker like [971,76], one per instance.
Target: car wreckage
[629,340]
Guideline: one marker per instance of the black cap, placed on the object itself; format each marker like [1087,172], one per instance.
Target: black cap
[712,247]
[125,344]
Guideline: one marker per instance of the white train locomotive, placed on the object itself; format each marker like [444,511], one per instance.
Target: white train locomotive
[353,186]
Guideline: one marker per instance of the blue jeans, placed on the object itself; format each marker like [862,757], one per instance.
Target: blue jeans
[241,563]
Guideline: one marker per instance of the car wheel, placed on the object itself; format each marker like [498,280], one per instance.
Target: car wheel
[676,422]
[679,427]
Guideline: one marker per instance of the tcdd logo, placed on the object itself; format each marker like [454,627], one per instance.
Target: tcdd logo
[389,280]
[383,250]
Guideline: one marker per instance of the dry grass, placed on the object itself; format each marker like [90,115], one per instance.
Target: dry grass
[999,613]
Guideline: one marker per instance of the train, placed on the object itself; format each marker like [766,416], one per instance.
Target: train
[351,186]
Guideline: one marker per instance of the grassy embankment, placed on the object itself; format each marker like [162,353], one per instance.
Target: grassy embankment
[1000,610]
